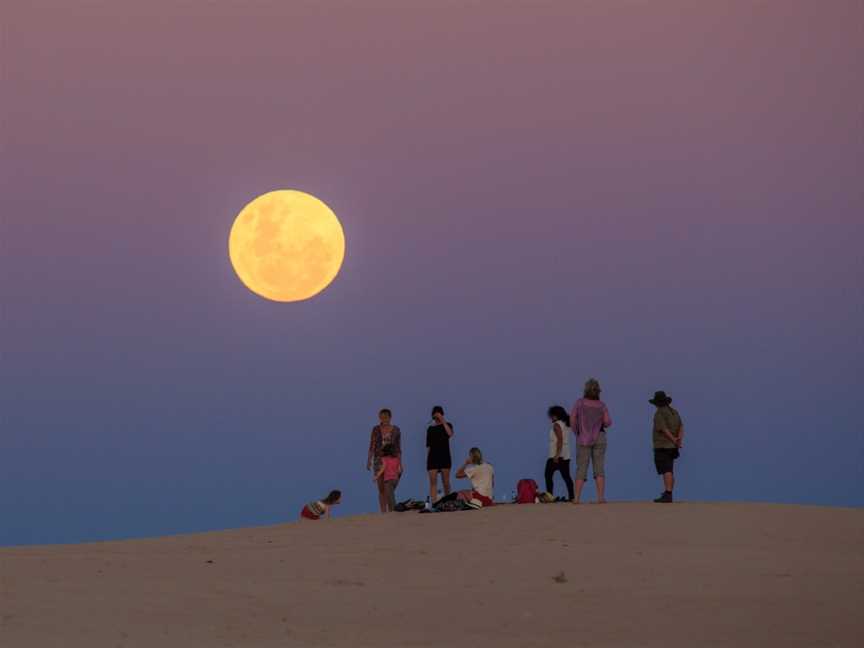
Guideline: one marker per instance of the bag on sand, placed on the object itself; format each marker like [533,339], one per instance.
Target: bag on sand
[526,491]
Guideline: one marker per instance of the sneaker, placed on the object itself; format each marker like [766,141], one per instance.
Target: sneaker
[665,498]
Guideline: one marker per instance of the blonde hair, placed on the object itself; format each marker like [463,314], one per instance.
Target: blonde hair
[592,389]
[476,456]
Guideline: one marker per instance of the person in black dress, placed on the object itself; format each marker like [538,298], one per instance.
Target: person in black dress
[438,458]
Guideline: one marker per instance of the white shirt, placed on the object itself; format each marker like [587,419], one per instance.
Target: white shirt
[565,441]
[482,478]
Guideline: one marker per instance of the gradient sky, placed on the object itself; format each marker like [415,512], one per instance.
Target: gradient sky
[665,195]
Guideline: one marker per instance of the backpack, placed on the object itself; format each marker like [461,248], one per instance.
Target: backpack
[526,491]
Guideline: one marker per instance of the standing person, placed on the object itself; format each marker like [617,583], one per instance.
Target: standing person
[559,450]
[321,508]
[438,460]
[385,433]
[589,420]
[389,473]
[667,434]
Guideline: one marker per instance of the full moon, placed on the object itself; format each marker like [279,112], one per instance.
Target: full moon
[286,245]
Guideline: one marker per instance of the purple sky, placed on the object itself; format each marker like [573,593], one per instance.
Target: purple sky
[665,195]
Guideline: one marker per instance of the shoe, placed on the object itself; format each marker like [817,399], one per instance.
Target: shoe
[665,498]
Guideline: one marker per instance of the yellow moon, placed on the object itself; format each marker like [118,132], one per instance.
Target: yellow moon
[286,245]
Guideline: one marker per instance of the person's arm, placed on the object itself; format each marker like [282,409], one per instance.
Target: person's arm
[447,428]
[327,513]
[371,449]
[380,472]
[661,423]
[460,473]
[574,419]
[607,420]
[397,443]
[680,441]
[559,441]
[669,435]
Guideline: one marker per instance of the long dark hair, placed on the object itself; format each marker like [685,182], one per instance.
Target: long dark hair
[558,413]
[333,497]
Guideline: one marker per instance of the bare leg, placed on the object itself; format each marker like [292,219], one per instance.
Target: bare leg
[579,484]
[445,478]
[668,481]
[382,495]
[390,494]
[433,485]
[601,487]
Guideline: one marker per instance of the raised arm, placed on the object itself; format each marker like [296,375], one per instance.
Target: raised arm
[460,472]
[447,428]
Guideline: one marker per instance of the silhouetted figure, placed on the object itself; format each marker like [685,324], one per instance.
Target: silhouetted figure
[589,420]
[385,433]
[559,450]
[667,434]
[438,459]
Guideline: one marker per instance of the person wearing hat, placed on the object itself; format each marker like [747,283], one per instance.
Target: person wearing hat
[668,437]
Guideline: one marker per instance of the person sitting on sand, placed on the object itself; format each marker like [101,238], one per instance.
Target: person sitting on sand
[482,476]
[321,508]
[383,434]
[589,420]
[667,434]
[388,475]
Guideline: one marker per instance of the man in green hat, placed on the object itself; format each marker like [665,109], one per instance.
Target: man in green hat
[668,437]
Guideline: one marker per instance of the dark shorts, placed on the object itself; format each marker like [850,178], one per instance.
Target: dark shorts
[439,461]
[664,459]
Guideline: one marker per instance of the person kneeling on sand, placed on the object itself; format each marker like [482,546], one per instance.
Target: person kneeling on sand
[482,476]
[389,473]
[321,508]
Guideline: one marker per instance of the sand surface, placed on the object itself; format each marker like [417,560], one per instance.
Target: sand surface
[532,575]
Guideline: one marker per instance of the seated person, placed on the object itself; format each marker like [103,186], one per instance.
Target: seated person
[321,508]
[482,476]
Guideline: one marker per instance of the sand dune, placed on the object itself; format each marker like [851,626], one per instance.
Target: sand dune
[536,575]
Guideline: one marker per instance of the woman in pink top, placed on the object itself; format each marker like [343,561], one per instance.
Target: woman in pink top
[589,420]
[388,475]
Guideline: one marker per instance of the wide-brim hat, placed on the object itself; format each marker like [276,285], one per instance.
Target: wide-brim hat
[660,398]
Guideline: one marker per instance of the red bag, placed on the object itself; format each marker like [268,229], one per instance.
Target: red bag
[526,491]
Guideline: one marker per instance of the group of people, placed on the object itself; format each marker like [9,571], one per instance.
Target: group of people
[586,424]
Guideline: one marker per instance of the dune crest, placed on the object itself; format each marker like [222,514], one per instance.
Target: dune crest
[534,575]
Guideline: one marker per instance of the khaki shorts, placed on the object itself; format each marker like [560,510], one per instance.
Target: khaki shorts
[595,454]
